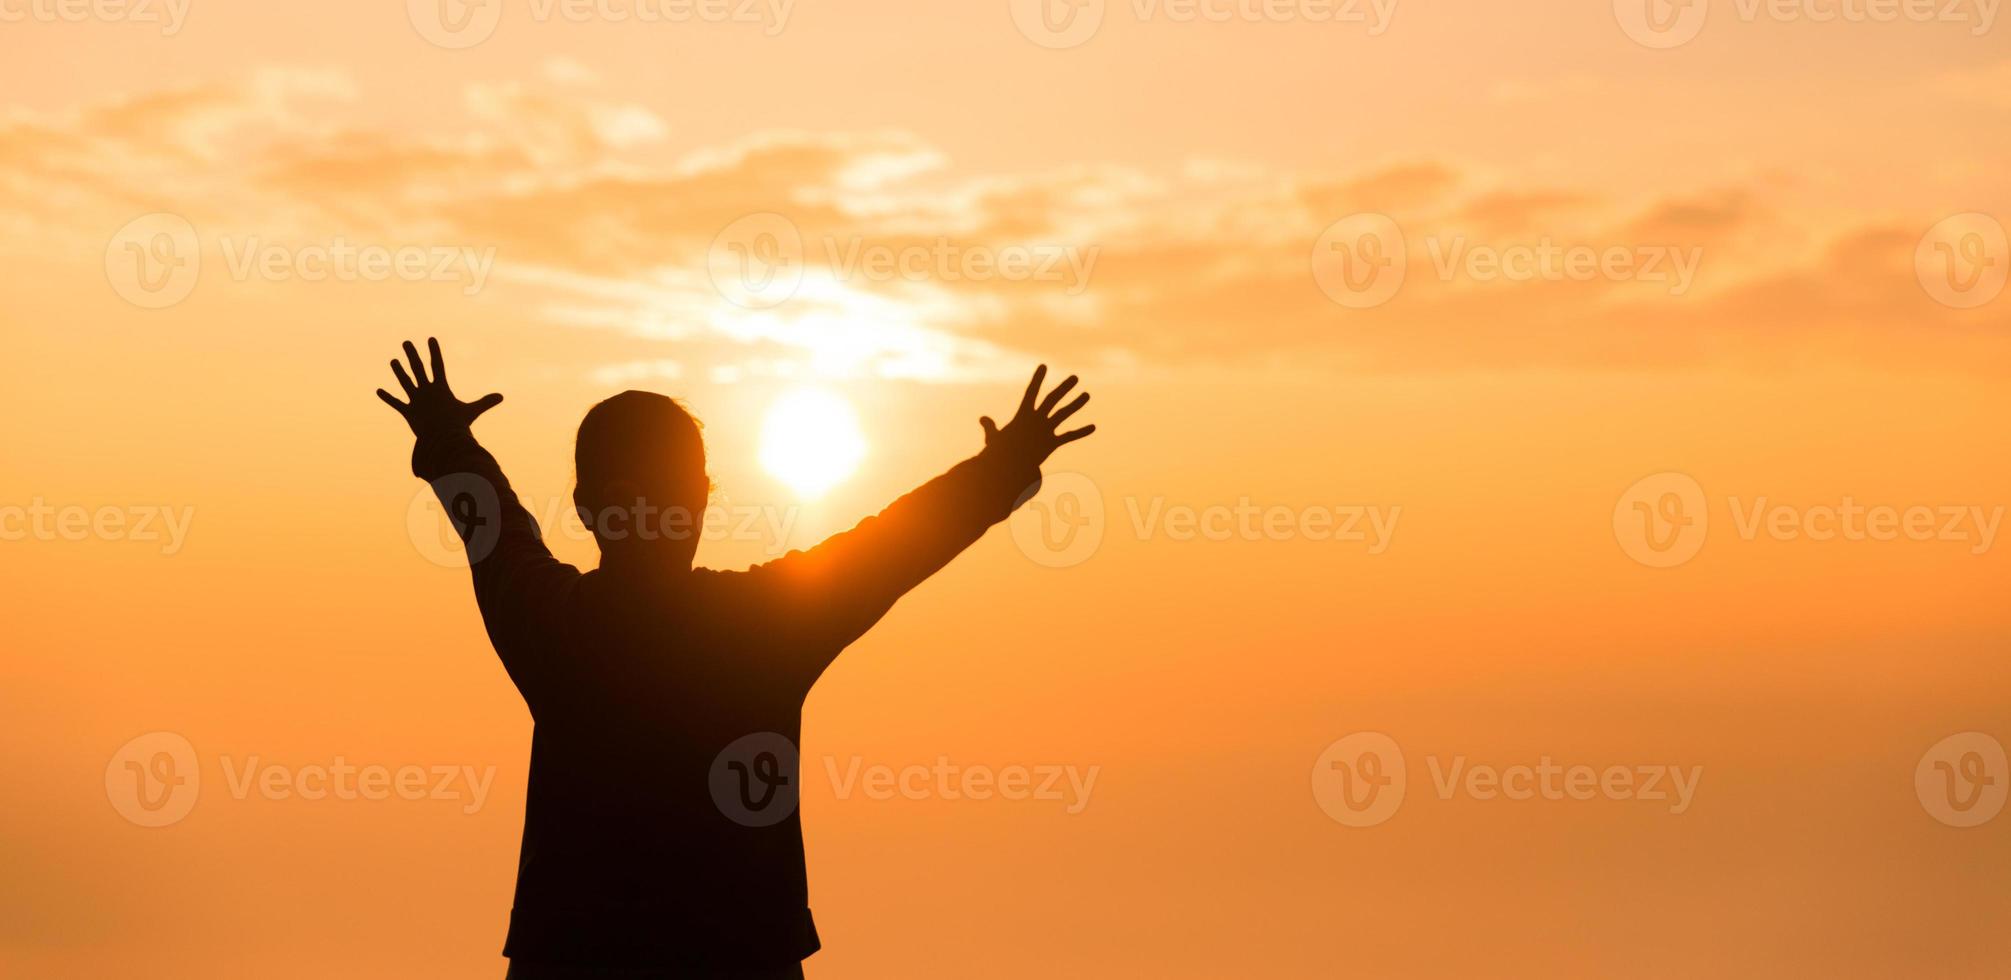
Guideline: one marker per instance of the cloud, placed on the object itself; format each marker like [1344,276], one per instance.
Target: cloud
[904,260]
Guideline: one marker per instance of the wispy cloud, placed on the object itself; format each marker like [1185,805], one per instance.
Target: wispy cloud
[906,267]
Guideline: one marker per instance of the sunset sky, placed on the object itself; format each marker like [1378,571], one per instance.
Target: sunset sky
[1470,279]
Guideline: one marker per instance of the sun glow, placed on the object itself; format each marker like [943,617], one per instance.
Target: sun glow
[811,440]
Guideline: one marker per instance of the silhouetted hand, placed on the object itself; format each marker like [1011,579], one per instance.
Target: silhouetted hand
[433,409]
[1033,433]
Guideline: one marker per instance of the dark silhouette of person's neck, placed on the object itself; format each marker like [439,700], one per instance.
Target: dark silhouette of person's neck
[638,536]
[651,559]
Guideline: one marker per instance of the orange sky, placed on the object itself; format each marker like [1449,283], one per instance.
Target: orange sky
[577,184]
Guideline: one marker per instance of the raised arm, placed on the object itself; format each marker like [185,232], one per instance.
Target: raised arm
[843,586]
[515,574]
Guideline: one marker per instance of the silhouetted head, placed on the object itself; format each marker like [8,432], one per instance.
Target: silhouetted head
[640,465]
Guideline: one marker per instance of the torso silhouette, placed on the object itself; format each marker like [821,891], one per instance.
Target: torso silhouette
[637,680]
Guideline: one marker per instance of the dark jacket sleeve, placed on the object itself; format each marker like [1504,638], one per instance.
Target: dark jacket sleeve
[519,585]
[837,590]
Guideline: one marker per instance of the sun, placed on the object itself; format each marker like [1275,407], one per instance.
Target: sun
[811,440]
